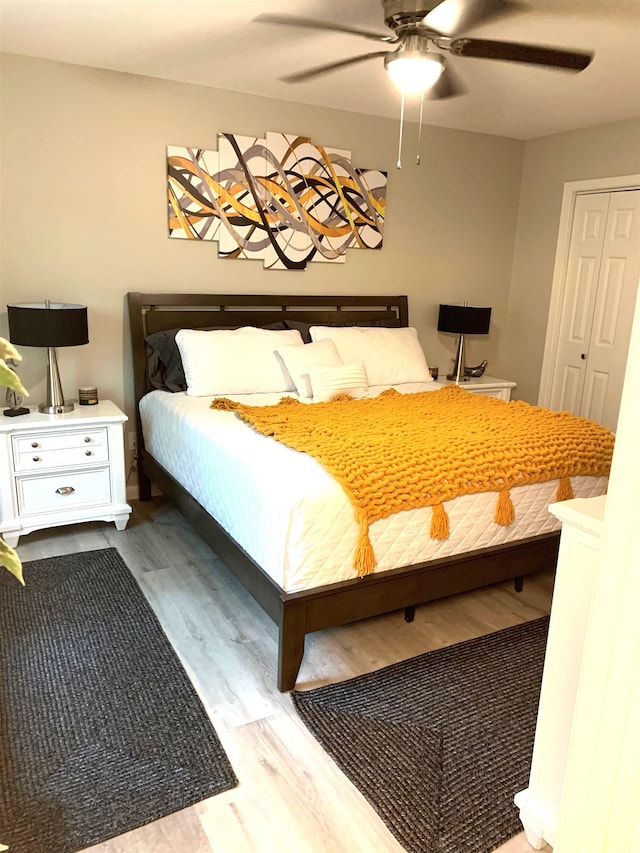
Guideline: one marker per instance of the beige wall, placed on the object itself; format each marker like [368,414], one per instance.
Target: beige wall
[83,213]
[84,209]
[549,163]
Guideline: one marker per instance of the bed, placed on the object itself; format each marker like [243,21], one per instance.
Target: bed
[281,524]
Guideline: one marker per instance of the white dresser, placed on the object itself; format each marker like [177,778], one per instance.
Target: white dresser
[62,469]
[490,386]
[539,804]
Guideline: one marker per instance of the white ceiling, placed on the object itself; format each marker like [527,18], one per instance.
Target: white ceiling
[215,43]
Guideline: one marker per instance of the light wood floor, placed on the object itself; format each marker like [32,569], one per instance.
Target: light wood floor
[291,796]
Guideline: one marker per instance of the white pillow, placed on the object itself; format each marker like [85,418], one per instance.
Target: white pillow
[298,360]
[390,356]
[349,379]
[235,361]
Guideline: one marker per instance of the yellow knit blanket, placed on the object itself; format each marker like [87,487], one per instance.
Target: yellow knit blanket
[402,451]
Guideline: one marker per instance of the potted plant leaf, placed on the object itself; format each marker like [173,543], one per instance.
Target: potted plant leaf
[10,379]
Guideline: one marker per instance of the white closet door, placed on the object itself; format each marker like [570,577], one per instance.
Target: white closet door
[600,293]
[613,314]
[581,283]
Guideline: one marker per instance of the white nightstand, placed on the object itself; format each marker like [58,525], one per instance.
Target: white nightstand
[487,385]
[62,469]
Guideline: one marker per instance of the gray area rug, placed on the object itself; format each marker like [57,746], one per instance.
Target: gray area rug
[439,744]
[100,729]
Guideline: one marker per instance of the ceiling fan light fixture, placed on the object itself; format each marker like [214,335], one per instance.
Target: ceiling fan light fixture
[413,72]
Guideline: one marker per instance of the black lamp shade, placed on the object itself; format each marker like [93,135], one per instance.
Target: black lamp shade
[464,320]
[58,324]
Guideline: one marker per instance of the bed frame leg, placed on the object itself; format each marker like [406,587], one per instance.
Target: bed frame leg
[409,613]
[290,645]
[144,486]
[518,583]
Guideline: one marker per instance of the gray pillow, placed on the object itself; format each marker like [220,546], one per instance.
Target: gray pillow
[303,327]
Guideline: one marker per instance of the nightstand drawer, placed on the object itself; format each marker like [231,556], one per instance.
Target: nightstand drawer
[500,395]
[41,441]
[63,491]
[487,386]
[65,450]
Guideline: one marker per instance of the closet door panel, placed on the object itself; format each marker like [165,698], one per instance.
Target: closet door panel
[581,283]
[613,310]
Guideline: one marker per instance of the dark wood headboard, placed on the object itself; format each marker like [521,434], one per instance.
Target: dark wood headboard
[155,312]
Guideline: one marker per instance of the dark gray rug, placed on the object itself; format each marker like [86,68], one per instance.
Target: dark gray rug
[439,744]
[100,729]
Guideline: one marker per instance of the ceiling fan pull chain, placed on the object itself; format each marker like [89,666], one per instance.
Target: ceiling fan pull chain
[399,163]
[420,130]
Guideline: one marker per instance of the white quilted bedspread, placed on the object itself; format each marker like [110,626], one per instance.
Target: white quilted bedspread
[293,518]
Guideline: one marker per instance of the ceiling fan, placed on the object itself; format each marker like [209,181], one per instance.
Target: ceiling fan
[419,29]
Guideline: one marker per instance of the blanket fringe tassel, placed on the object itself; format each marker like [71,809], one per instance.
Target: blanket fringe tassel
[564,492]
[223,404]
[364,561]
[439,522]
[504,509]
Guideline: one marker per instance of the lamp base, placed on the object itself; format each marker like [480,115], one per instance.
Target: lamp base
[61,409]
[457,374]
[55,403]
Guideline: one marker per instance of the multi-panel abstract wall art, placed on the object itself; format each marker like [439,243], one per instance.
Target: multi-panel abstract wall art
[282,200]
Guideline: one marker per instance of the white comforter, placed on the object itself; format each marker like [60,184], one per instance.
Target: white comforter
[293,518]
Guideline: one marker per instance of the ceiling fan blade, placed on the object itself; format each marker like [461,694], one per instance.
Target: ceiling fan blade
[448,85]
[310,73]
[311,24]
[568,60]
[453,17]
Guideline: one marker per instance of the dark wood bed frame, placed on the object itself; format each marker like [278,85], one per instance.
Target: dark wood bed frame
[299,613]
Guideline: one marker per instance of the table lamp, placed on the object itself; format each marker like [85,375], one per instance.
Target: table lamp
[49,324]
[462,320]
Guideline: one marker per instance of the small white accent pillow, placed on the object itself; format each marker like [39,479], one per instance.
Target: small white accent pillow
[349,379]
[235,361]
[390,356]
[298,361]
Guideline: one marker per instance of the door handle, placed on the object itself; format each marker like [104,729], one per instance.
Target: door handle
[65,490]
[583,356]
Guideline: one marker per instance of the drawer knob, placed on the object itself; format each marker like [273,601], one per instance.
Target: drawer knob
[88,453]
[36,458]
[34,444]
[65,490]
[87,439]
